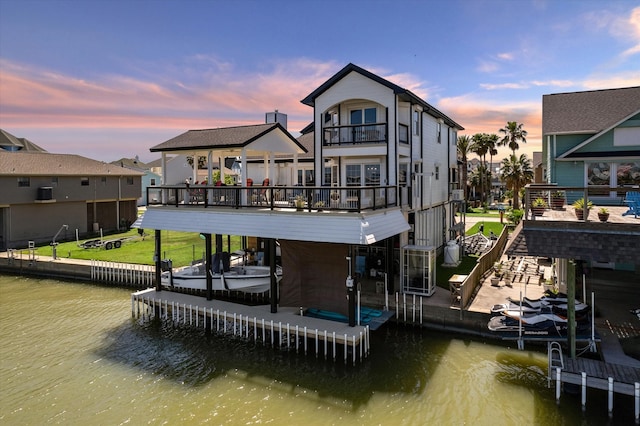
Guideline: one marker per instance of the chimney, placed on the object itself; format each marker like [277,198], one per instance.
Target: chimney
[276,117]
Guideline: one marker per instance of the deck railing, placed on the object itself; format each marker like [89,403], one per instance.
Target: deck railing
[350,198]
[355,134]
[556,197]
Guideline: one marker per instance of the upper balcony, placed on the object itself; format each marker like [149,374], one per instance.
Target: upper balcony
[306,198]
[353,135]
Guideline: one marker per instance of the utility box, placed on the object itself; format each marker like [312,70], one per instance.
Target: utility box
[45,193]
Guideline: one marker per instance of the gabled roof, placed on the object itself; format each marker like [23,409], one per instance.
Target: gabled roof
[47,164]
[224,138]
[8,142]
[131,163]
[588,112]
[404,94]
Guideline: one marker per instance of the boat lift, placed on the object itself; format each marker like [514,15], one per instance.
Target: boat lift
[54,243]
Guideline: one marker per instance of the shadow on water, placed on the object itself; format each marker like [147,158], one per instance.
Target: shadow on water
[194,358]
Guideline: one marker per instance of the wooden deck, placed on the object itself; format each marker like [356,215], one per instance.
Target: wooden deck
[589,373]
[283,329]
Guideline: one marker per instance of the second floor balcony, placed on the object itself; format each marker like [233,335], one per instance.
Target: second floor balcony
[351,135]
[305,198]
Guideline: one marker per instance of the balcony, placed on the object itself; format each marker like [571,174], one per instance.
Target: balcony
[355,135]
[558,203]
[306,198]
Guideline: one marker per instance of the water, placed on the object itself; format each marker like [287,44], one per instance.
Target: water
[71,354]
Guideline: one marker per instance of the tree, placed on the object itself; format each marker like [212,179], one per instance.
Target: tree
[483,144]
[513,132]
[516,172]
[464,149]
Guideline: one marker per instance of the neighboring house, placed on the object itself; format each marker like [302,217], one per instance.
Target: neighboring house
[382,161]
[149,178]
[40,192]
[539,172]
[593,138]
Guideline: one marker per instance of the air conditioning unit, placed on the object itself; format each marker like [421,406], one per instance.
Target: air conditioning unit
[457,195]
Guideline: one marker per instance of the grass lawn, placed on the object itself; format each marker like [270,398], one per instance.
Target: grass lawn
[180,247]
[496,227]
[467,263]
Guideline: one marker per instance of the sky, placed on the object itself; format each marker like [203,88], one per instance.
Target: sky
[108,79]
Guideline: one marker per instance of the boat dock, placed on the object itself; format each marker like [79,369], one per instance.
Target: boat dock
[590,373]
[285,329]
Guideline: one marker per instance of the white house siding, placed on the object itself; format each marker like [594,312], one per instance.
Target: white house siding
[351,91]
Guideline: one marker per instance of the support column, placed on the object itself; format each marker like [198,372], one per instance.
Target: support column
[208,266]
[273,297]
[157,257]
[571,307]
[389,264]
[351,293]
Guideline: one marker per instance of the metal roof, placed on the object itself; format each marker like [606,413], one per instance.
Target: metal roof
[328,227]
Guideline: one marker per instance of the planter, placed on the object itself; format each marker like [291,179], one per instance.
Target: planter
[603,217]
[557,203]
[581,215]
[537,211]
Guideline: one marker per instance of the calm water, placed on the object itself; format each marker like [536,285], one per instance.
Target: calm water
[71,354]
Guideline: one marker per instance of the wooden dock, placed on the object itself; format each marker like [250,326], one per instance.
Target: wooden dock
[589,373]
[285,329]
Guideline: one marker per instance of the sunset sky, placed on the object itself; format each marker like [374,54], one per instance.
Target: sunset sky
[110,79]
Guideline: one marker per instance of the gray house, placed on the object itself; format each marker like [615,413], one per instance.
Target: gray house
[40,192]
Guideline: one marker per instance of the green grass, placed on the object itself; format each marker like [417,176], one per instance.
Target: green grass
[180,247]
[467,263]
[496,227]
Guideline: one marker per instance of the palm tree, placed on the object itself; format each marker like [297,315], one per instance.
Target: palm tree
[481,145]
[464,148]
[513,132]
[516,172]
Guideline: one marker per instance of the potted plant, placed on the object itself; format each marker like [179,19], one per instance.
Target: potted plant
[538,206]
[299,202]
[603,214]
[319,205]
[558,200]
[579,206]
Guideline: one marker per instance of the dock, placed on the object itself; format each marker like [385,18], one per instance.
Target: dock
[287,329]
[590,373]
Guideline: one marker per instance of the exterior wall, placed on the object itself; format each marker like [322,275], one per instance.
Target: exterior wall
[177,170]
[352,91]
[146,181]
[24,222]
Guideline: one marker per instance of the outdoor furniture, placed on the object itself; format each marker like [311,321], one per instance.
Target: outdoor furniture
[632,199]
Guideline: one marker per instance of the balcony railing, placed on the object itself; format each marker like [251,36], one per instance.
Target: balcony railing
[554,202]
[355,134]
[307,198]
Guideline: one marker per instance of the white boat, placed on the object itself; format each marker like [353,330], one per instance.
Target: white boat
[248,279]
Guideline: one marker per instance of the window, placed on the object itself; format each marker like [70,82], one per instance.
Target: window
[129,180]
[363,116]
[153,182]
[84,181]
[356,174]
[308,177]
[24,182]
[416,122]
[372,174]
[353,174]
[437,172]
[103,180]
[439,130]
[54,181]
[403,171]
[628,173]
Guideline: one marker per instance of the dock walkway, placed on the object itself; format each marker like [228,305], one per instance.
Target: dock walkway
[285,328]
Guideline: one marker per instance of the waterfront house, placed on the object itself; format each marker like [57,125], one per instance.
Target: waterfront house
[41,192]
[592,139]
[376,195]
